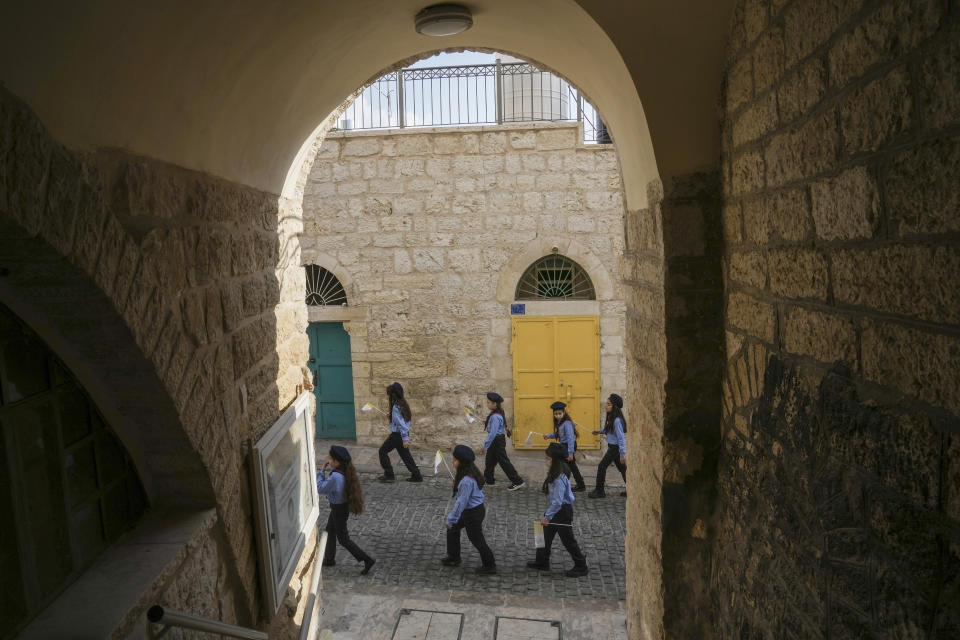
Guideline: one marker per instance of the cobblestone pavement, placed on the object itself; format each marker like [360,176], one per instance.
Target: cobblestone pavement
[402,527]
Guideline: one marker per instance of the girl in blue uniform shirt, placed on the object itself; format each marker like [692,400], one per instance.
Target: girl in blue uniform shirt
[399,437]
[566,434]
[468,512]
[495,446]
[613,430]
[343,490]
[559,512]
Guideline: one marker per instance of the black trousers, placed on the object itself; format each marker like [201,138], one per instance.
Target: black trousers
[337,533]
[563,516]
[395,441]
[497,454]
[472,521]
[575,470]
[612,456]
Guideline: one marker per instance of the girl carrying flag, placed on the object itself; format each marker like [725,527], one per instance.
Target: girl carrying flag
[495,446]
[399,437]
[345,494]
[613,430]
[558,518]
[566,434]
[468,512]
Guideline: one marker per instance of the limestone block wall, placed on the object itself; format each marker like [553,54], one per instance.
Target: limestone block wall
[202,278]
[839,482]
[429,230]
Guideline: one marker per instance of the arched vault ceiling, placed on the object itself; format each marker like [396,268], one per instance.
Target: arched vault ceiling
[235,87]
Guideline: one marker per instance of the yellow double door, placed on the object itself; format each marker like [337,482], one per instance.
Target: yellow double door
[555,358]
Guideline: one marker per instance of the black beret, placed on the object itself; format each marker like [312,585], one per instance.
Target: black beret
[397,389]
[340,454]
[616,400]
[556,450]
[463,453]
[558,406]
[493,396]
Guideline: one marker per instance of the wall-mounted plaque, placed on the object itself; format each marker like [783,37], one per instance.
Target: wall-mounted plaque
[284,472]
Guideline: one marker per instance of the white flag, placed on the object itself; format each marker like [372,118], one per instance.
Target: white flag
[470,417]
[538,540]
[437,459]
[529,441]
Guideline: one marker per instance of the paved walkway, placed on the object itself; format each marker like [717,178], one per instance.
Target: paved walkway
[410,595]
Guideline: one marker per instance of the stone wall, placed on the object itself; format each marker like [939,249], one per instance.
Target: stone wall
[201,277]
[838,483]
[430,230]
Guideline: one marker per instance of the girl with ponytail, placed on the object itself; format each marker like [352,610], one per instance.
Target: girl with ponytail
[343,490]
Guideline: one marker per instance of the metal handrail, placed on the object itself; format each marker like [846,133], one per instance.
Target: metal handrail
[170,618]
[314,586]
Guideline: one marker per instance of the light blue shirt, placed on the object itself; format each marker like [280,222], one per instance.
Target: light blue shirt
[567,436]
[495,427]
[617,437]
[333,487]
[469,495]
[398,424]
[560,494]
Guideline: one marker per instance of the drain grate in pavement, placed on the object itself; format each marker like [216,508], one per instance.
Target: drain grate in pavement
[527,629]
[416,624]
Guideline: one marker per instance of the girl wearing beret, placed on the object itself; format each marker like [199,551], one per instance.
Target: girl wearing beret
[468,512]
[343,490]
[613,430]
[559,512]
[495,446]
[399,437]
[566,434]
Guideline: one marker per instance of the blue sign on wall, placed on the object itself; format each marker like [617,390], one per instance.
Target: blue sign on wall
[518,309]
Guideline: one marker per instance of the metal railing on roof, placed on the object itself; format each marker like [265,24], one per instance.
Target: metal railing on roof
[471,94]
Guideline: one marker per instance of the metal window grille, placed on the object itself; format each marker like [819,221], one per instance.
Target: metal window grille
[323,288]
[555,277]
[471,94]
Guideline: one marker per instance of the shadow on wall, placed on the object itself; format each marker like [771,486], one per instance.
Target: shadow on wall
[163,291]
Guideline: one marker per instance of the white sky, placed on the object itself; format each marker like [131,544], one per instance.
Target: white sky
[456,59]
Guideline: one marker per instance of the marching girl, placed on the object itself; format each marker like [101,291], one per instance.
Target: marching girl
[468,512]
[566,434]
[399,437]
[343,490]
[613,430]
[495,446]
[559,513]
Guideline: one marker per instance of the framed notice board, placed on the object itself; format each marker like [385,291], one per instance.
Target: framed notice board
[286,500]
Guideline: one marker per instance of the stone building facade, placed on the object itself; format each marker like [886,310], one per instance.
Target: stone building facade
[429,231]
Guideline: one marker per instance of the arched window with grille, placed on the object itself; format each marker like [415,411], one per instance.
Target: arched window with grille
[323,288]
[555,277]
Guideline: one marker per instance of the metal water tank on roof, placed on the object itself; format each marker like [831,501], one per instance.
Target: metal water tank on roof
[530,94]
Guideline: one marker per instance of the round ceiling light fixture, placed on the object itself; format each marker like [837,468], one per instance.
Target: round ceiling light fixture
[443,20]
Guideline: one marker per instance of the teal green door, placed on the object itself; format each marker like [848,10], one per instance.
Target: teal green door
[333,379]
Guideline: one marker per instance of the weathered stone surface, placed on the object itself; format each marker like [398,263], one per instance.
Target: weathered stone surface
[748,173]
[914,281]
[803,152]
[756,120]
[846,207]
[749,268]
[877,113]
[826,337]
[922,187]
[740,84]
[809,23]
[751,315]
[798,273]
[768,61]
[917,363]
[801,90]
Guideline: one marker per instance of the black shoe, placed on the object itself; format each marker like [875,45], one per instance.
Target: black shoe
[623,494]
[577,572]
[367,565]
[486,571]
[597,493]
[415,479]
[581,487]
[329,563]
[533,564]
[386,479]
[450,562]
[516,485]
